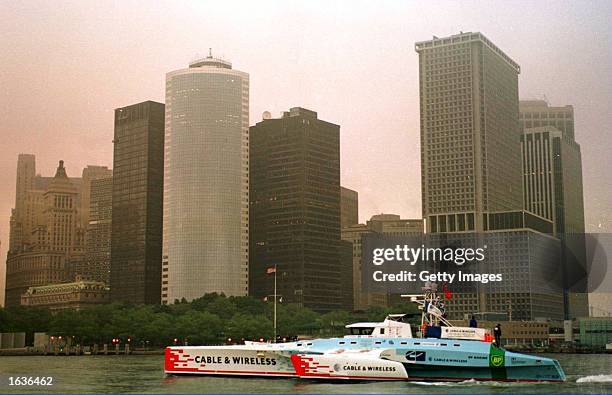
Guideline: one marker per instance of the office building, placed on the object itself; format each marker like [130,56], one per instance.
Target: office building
[527,260]
[295,209]
[136,230]
[538,113]
[349,207]
[206,194]
[90,173]
[361,300]
[470,151]
[48,242]
[552,165]
[552,178]
[595,333]
[20,218]
[96,265]
[392,224]
[472,175]
[387,224]
[347,300]
[552,188]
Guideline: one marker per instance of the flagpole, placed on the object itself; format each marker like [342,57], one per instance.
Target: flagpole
[274,304]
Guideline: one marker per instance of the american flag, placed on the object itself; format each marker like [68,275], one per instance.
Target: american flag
[447,292]
[271,270]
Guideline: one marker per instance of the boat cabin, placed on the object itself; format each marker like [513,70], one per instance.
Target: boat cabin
[392,326]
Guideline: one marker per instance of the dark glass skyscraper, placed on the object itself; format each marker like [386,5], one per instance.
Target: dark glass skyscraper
[138,174]
[552,183]
[295,209]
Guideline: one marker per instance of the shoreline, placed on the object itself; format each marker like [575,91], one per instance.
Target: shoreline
[25,352]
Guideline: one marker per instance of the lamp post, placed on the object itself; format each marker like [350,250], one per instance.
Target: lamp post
[273,270]
[274,303]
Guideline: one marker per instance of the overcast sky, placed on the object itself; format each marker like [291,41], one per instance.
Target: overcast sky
[67,65]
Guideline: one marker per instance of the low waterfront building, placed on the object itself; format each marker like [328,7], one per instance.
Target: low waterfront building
[75,295]
[10,340]
[595,332]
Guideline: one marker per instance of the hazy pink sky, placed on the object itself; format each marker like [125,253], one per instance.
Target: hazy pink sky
[67,65]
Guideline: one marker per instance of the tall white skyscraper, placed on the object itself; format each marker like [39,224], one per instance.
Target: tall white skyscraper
[206,180]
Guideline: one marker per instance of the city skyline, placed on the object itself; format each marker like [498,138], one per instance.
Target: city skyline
[365,155]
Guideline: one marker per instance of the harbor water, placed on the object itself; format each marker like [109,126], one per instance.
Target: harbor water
[586,373]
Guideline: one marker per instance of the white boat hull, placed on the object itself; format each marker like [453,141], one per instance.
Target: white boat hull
[228,360]
[348,366]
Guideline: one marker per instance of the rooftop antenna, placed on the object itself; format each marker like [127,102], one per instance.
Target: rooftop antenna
[210,52]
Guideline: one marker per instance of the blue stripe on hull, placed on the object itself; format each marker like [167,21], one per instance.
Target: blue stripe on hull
[444,373]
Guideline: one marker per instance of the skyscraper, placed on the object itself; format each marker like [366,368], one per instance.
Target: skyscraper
[90,173]
[552,184]
[349,207]
[50,240]
[552,165]
[538,113]
[472,180]
[96,265]
[206,193]
[22,215]
[136,233]
[361,300]
[295,209]
[385,224]
[470,155]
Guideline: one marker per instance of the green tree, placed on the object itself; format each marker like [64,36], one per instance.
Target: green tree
[249,327]
[333,322]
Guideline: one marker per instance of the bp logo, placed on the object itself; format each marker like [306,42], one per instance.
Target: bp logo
[497,360]
[497,357]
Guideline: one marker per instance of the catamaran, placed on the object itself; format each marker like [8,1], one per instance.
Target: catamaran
[384,350]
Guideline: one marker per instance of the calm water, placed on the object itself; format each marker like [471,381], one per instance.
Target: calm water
[144,374]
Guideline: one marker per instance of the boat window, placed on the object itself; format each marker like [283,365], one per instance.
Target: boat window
[378,342]
[309,344]
[417,344]
[361,331]
[382,331]
[405,343]
[299,344]
[443,344]
[457,345]
[341,342]
[353,342]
